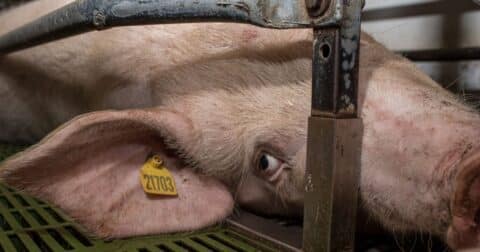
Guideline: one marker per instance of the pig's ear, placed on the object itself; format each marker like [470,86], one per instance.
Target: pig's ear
[464,231]
[90,168]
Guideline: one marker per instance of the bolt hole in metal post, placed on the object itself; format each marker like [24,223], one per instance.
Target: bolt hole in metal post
[325,50]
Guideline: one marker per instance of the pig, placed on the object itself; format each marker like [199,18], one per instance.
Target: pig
[225,106]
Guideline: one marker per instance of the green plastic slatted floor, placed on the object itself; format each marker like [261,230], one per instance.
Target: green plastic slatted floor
[28,224]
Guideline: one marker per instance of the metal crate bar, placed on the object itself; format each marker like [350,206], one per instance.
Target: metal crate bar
[334,137]
[87,15]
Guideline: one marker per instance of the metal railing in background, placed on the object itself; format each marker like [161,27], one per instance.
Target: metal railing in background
[441,36]
[445,54]
[332,176]
[429,8]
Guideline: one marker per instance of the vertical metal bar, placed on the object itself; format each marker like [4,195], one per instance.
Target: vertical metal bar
[334,137]
[347,96]
[332,183]
[325,72]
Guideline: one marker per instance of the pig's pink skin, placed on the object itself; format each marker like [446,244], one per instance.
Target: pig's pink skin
[244,87]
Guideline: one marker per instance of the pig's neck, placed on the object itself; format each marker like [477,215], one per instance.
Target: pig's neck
[415,135]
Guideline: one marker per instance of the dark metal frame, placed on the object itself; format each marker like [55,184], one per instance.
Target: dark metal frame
[86,15]
[334,130]
[457,54]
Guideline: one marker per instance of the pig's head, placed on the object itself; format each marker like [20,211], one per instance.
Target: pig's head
[255,141]
[222,146]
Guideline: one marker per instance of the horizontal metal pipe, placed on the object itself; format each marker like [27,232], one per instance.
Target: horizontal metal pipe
[87,15]
[458,54]
[69,20]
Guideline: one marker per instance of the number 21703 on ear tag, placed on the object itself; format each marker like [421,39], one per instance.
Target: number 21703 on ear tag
[156,179]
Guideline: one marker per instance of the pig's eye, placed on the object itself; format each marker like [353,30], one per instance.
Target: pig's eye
[268,164]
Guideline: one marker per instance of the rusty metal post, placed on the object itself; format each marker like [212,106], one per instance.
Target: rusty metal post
[334,137]
[317,7]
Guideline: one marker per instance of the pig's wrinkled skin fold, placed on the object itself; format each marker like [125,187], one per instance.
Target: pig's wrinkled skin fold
[242,91]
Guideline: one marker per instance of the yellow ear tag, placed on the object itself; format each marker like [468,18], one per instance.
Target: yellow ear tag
[156,179]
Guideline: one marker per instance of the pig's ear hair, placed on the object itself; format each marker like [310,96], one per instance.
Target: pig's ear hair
[464,231]
[90,168]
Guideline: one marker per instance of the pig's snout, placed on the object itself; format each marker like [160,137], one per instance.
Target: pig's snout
[464,230]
